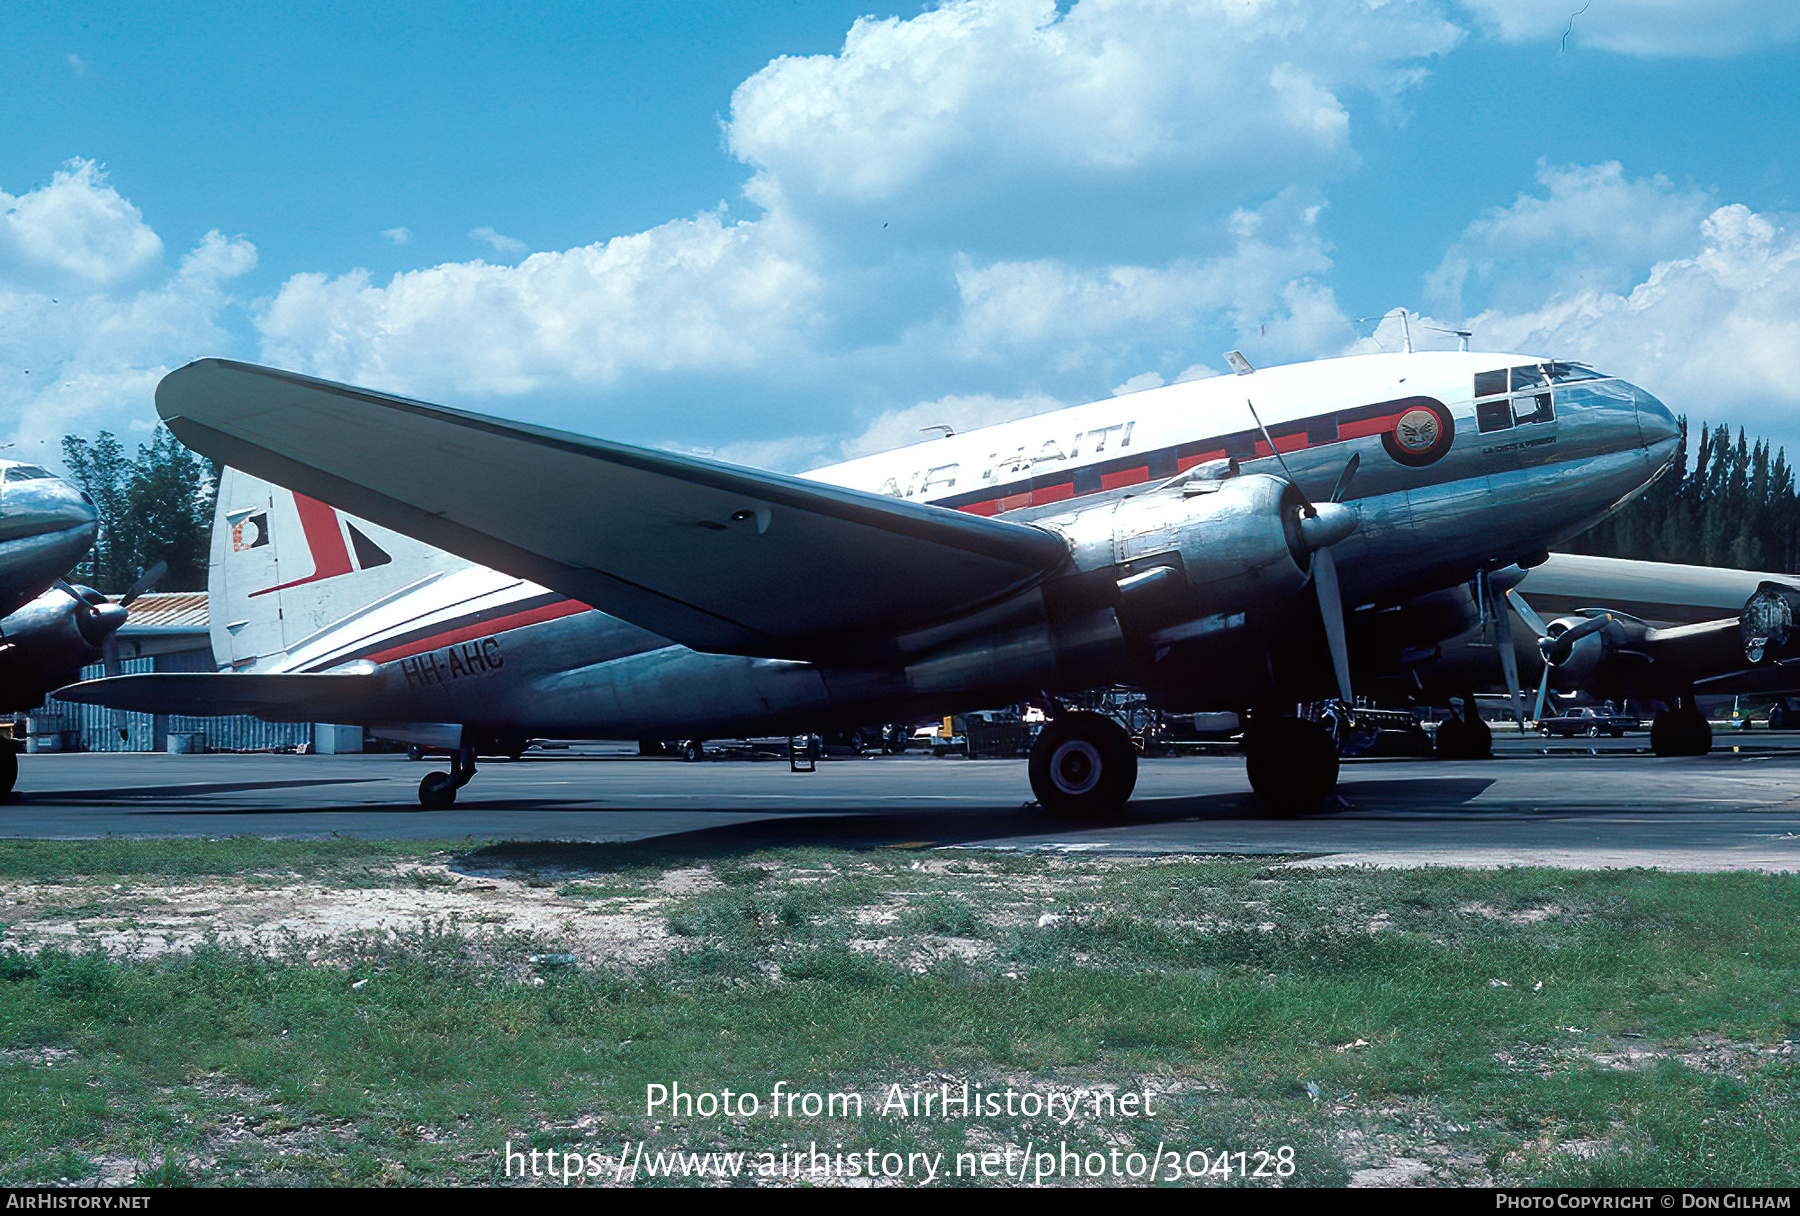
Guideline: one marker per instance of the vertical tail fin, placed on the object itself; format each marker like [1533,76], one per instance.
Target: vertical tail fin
[285,566]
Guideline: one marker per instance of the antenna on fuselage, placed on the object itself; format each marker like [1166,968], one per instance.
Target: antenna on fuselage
[948,429]
[1462,336]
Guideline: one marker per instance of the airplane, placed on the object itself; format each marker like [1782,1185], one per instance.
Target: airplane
[1651,632]
[1213,543]
[48,629]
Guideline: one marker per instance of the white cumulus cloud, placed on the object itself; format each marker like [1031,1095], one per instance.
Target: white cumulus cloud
[75,231]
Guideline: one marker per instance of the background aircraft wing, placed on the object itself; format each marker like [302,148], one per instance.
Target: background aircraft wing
[308,697]
[713,556]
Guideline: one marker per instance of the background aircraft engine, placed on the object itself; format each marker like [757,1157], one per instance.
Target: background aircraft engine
[44,644]
[1767,624]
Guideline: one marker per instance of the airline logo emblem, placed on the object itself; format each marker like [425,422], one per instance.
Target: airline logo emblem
[251,533]
[333,554]
[1421,434]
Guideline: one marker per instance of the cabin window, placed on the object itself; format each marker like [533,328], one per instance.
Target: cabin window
[25,472]
[1487,384]
[1494,415]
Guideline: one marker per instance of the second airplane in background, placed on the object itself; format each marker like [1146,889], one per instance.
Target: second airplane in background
[1224,542]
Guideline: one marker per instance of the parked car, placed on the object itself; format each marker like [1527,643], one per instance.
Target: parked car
[1590,720]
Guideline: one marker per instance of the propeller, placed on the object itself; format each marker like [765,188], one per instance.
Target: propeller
[109,649]
[1536,624]
[1323,525]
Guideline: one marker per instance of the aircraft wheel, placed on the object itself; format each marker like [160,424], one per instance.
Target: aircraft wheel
[1680,732]
[1460,740]
[1292,764]
[9,769]
[437,791]
[1083,766]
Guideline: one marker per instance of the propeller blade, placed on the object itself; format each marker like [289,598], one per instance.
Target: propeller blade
[148,579]
[1331,610]
[1509,661]
[1345,478]
[1543,689]
[1531,619]
[1305,502]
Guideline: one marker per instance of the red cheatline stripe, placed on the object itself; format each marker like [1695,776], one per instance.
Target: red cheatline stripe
[1055,493]
[981,508]
[1187,462]
[518,620]
[1367,426]
[1124,477]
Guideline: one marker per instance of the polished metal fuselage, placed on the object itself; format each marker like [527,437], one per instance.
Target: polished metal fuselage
[46,527]
[1484,500]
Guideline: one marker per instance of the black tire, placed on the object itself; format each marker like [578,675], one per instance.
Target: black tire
[1680,732]
[9,769]
[1083,766]
[693,749]
[1460,740]
[437,791]
[1292,764]
[1593,732]
[1778,717]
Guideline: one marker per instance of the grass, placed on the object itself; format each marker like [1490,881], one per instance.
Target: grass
[1497,1027]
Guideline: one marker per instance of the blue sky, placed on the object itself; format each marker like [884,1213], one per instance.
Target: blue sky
[791,232]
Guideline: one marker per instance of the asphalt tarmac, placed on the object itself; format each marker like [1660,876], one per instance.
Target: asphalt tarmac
[1608,803]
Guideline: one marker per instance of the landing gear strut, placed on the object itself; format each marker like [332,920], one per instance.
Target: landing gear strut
[438,790]
[1083,766]
[1682,731]
[1292,763]
[9,769]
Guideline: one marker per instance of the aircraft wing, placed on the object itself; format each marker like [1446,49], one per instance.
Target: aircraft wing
[307,697]
[716,557]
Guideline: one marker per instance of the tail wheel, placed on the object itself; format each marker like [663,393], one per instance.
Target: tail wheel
[1292,764]
[1083,766]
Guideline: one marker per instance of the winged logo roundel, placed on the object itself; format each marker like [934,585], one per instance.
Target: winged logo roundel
[1421,434]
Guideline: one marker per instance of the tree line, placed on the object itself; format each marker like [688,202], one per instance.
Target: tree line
[1729,503]
[156,506]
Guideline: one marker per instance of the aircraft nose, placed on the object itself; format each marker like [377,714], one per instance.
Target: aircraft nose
[1657,429]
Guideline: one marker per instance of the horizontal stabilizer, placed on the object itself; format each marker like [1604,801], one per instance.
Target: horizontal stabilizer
[714,556]
[310,697]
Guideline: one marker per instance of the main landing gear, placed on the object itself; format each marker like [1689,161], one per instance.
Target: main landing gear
[9,769]
[438,790]
[1682,731]
[1083,766]
[1292,763]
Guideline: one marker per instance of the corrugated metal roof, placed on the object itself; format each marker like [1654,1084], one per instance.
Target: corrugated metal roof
[169,609]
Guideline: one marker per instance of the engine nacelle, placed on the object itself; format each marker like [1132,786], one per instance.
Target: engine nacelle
[44,645]
[1231,545]
[1767,623]
[1150,571]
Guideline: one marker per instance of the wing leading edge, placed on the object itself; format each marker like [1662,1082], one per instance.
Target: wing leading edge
[716,557]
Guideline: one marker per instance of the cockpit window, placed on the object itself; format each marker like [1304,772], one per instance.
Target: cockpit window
[1563,373]
[25,472]
[1517,396]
